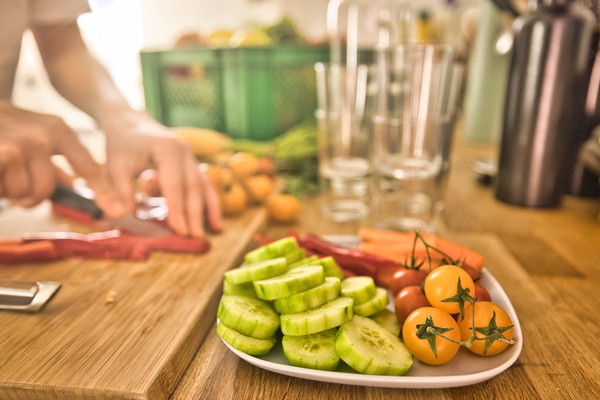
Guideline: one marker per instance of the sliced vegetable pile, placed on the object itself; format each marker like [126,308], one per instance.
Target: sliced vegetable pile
[323,299]
[323,317]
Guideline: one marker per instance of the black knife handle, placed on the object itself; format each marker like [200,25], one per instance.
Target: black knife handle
[68,197]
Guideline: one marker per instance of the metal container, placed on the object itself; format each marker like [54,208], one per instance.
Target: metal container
[544,118]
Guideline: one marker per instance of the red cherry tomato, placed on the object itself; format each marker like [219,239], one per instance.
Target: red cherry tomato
[481,293]
[407,300]
[406,277]
[473,273]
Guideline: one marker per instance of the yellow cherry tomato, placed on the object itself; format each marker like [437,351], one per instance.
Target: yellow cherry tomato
[415,335]
[447,287]
[490,320]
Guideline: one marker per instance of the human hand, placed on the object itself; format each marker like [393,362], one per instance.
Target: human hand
[136,143]
[27,173]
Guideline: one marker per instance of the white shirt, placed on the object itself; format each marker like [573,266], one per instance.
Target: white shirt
[16,16]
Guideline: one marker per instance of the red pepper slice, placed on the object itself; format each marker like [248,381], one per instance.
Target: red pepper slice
[360,263]
[114,245]
[16,251]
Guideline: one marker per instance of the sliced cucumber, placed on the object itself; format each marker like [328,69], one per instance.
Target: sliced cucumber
[247,344]
[327,316]
[256,270]
[315,351]
[305,261]
[248,316]
[294,255]
[331,267]
[239,289]
[373,306]
[311,298]
[294,281]
[388,320]
[369,348]
[359,288]
[275,249]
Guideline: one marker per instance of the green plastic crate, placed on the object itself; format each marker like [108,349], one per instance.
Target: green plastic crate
[251,92]
[184,87]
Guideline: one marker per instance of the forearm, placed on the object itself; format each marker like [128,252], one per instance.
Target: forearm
[80,78]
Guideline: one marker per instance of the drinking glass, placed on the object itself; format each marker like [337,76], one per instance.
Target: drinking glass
[345,145]
[413,113]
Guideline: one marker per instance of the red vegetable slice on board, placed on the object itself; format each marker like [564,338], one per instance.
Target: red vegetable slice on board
[101,245]
[16,251]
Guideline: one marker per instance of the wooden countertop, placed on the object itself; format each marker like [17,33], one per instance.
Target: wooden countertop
[547,261]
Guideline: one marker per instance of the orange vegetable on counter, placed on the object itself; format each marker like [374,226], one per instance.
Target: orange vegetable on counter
[283,208]
[398,246]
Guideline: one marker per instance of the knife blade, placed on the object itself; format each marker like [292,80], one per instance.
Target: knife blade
[127,223]
[26,296]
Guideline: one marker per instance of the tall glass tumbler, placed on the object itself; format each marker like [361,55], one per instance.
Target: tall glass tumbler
[413,112]
[345,144]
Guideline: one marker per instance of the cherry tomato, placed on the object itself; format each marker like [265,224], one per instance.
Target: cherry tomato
[284,208]
[243,164]
[260,186]
[450,283]
[417,340]
[234,199]
[406,277]
[481,293]
[407,300]
[473,273]
[490,319]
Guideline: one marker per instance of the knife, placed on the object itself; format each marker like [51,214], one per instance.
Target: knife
[127,223]
[26,296]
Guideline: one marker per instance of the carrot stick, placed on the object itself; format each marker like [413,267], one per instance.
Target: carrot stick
[393,251]
[368,234]
[467,256]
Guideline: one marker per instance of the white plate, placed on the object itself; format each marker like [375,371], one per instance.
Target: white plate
[465,369]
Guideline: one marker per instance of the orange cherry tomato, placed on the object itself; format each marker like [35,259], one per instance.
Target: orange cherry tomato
[234,199]
[243,164]
[490,319]
[416,338]
[260,186]
[447,287]
[283,208]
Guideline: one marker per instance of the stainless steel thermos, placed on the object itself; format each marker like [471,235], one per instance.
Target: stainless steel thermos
[544,119]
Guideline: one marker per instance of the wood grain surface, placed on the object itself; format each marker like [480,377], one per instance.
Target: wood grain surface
[83,346]
[547,261]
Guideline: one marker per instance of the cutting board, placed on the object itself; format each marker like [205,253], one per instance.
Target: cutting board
[82,345]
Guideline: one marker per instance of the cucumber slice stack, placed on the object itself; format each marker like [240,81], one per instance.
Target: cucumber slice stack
[248,324]
[278,290]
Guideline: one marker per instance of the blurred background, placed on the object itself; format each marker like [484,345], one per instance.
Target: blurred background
[245,67]
[117,31]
